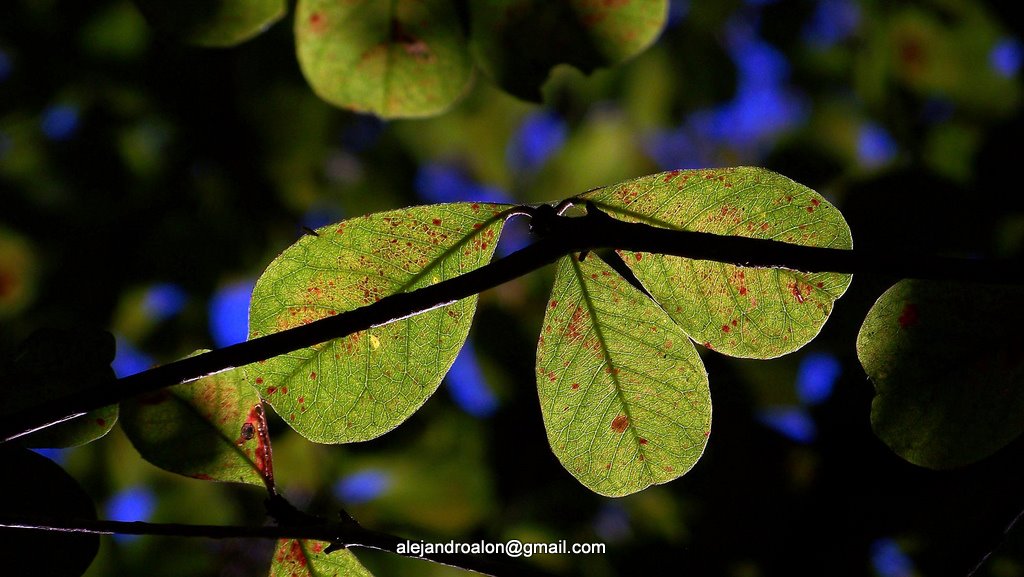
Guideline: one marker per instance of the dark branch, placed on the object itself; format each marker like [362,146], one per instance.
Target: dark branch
[349,534]
[560,235]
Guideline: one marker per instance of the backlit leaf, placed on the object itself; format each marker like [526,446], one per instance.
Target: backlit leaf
[947,362]
[623,392]
[36,487]
[213,428]
[403,58]
[53,363]
[304,558]
[739,311]
[517,42]
[212,22]
[362,386]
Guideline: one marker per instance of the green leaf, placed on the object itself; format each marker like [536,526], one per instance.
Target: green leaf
[738,311]
[305,558]
[402,58]
[53,363]
[623,392]
[517,42]
[213,428]
[362,386]
[35,487]
[947,362]
[212,22]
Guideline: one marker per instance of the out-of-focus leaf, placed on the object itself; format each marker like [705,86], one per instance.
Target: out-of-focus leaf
[405,58]
[35,487]
[212,22]
[304,558]
[517,42]
[947,362]
[936,56]
[362,386]
[51,364]
[623,392]
[739,311]
[18,272]
[213,428]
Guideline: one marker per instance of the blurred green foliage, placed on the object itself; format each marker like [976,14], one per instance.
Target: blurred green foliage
[129,161]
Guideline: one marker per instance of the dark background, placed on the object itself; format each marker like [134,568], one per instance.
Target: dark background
[144,185]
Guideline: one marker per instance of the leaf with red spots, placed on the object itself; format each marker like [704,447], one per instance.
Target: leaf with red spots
[304,558]
[739,311]
[404,58]
[36,488]
[212,428]
[54,363]
[517,42]
[361,386]
[623,392]
[212,23]
[947,362]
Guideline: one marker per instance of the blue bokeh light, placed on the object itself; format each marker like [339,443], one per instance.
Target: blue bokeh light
[58,456]
[794,423]
[362,487]
[763,107]
[612,523]
[816,376]
[229,313]
[832,22]
[672,149]
[467,386]
[889,560]
[362,132]
[6,66]
[129,360]
[132,504]
[321,216]
[436,182]
[875,147]
[677,12]
[539,136]
[1006,57]
[60,122]
[163,301]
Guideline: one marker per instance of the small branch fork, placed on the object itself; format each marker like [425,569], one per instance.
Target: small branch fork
[558,235]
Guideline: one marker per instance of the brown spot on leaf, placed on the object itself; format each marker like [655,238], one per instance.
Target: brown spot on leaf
[642,441]
[908,316]
[620,423]
[317,25]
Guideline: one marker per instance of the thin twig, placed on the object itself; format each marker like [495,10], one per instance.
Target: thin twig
[350,534]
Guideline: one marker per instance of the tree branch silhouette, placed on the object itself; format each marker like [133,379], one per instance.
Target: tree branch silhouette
[558,235]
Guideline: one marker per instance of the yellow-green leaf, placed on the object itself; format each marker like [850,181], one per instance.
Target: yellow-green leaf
[305,558]
[213,428]
[401,58]
[739,311]
[212,22]
[947,362]
[623,392]
[361,386]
